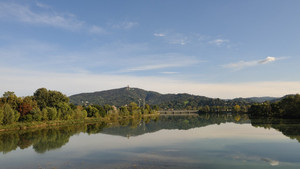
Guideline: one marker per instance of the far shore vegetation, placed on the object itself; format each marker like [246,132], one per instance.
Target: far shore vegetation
[50,108]
[47,107]
[288,107]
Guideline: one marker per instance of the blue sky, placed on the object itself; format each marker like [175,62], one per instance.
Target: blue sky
[215,48]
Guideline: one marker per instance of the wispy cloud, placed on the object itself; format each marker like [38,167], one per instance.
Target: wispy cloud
[159,34]
[169,73]
[23,13]
[153,67]
[176,38]
[124,25]
[243,64]
[218,42]
[162,61]
[173,38]
[41,5]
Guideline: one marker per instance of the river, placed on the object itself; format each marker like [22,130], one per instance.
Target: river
[206,141]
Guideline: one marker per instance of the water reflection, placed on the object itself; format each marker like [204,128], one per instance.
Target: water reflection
[43,140]
[288,127]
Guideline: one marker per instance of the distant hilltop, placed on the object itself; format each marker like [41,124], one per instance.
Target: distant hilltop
[126,95]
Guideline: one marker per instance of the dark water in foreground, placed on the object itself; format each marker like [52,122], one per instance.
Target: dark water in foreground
[205,141]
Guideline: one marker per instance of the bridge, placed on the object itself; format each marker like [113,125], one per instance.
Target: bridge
[178,112]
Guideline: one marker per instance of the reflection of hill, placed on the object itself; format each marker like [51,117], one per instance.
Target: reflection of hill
[43,140]
[288,127]
[175,122]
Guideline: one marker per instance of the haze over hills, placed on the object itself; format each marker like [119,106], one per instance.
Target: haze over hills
[123,96]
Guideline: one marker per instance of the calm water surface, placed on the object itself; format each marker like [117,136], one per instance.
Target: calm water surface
[205,141]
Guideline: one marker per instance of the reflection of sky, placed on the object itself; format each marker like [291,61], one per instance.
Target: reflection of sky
[166,137]
[215,146]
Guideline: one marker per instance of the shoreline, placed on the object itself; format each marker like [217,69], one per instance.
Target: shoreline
[18,126]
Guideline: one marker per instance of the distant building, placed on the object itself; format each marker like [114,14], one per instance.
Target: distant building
[114,108]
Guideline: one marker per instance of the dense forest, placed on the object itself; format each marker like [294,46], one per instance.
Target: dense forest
[288,107]
[47,105]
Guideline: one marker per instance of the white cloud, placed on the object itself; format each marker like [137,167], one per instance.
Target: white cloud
[22,13]
[243,64]
[169,73]
[25,82]
[267,60]
[159,34]
[218,42]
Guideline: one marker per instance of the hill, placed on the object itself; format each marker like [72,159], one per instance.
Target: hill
[123,96]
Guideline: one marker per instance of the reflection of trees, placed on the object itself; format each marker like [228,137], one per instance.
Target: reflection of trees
[156,123]
[9,142]
[288,127]
[52,139]
[43,140]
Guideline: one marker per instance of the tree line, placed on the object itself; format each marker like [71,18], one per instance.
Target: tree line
[50,105]
[288,107]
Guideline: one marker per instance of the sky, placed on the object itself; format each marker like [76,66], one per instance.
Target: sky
[219,49]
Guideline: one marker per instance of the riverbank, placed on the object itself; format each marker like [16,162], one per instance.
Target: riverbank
[46,124]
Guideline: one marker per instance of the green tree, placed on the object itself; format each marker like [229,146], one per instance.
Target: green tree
[44,114]
[237,108]
[1,115]
[155,108]
[56,97]
[124,111]
[37,114]
[92,111]
[107,108]
[8,94]
[41,96]
[132,107]
[9,114]
[17,115]
[206,108]
[52,113]
[102,110]
[11,99]
[80,114]
[65,110]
